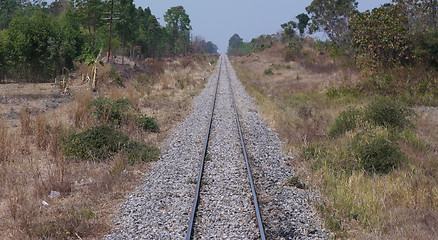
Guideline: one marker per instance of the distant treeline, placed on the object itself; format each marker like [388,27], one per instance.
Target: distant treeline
[38,40]
[397,34]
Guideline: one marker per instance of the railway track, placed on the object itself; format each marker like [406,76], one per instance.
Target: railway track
[164,207]
[191,232]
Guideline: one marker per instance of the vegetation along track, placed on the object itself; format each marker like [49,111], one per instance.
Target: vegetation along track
[161,208]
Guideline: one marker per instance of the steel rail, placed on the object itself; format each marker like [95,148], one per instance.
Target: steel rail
[201,168]
[254,194]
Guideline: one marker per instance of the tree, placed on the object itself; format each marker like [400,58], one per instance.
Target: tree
[210,47]
[178,24]
[289,29]
[234,44]
[303,19]
[381,37]
[29,45]
[127,26]
[332,17]
[90,13]
[7,10]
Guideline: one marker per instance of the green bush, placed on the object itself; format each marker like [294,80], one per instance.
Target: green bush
[268,71]
[99,143]
[376,152]
[346,121]
[110,111]
[388,113]
[148,123]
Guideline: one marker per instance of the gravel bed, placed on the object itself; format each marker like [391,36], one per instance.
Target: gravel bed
[160,208]
[225,210]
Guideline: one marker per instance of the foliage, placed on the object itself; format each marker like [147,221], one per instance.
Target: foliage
[303,20]
[332,17]
[376,152]
[381,37]
[148,123]
[234,44]
[8,7]
[288,29]
[38,46]
[347,120]
[92,60]
[99,143]
[110,111]
[178,24]
[389,113]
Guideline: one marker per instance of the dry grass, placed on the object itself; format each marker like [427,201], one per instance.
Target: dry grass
[5,142]
[358,205]
[25,121]
[33,166]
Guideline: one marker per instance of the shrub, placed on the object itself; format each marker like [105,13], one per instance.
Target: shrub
[101,142]
[346,121]
[376,152]
[268,71]
[148,123]
[111,111]
[114,75]
[388,113]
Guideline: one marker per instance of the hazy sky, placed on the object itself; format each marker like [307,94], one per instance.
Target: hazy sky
[217,21]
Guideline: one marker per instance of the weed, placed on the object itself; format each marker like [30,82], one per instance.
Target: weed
[347,120]
[376,152]
[191,181]
[114,75]
[295,182]
[109,111]
[268,71]
[148,123]
[385,112]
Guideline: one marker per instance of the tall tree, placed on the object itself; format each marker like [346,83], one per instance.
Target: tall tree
[91,16]
[303,20]
[126,26]
[178,23]
[332,17]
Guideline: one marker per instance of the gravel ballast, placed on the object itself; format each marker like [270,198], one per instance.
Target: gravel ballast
[160,208]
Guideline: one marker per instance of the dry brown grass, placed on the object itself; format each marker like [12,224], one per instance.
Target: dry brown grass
[400,205]
[5,142]
[25,121]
